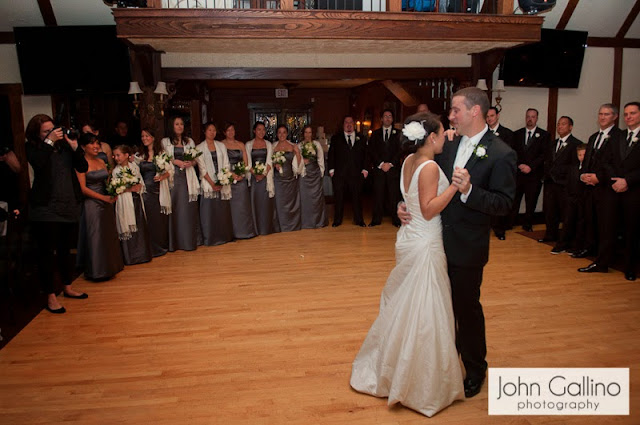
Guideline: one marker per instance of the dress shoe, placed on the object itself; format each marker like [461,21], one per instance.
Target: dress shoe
[594,268]
[630,275]
[557,250]
[501,237]
[546,239]
[361,224]
[56,311]
[580,253]
[335,224]
[372,224]
[472,387]
[397,224]
[82,296]
[527,228]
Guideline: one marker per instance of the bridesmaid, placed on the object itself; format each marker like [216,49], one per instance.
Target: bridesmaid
[105,153]
[311,191]
[134,234]
[215,205]
[100,247]
[240,198]
[286,186]
[184,222]
[262,189]
[157,214]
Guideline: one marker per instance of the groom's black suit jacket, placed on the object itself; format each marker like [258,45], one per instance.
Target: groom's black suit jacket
[466,226]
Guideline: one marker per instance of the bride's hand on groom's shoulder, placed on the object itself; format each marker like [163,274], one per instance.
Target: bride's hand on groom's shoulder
[403,214]
[450,134]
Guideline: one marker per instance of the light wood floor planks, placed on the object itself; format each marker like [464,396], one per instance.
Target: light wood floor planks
[264,332]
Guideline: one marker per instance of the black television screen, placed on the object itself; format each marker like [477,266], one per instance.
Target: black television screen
[555,61]
[71,59]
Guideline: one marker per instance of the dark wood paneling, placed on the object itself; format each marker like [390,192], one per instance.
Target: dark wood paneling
[6,37]
[173,74]
[46,10]
[13,92]
[617,77]
[633,14]
[566,15]
[308,24]
[633,43]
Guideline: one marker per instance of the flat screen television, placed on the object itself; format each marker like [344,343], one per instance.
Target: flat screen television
[71,59]
[555,61]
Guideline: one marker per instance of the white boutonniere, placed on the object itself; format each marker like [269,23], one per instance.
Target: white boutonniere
[357,138]
[563,145]
[606,137]
[634,140]
[496,133]
[481,151]
[537,134]
[393,132]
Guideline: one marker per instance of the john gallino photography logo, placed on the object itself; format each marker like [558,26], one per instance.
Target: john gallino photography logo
[561,391]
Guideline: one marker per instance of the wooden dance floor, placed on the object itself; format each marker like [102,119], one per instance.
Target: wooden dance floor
[264,332]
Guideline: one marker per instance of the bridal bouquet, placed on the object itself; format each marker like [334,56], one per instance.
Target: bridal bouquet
[309,150]
[191,153]
[123,180]
[259,168]
[225,177]
[240,169]
[162,163]
[278,158]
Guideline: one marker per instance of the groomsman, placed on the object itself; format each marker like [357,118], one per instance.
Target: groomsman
[529,143]
[347,168]
[592,177]
[559,157]
[384,156]
[622,177]
[499,223]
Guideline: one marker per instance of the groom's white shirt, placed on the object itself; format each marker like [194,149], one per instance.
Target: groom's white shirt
[465,150]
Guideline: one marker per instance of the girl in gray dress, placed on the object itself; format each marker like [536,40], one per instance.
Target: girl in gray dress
[99,248]
[311,178]
[262,189]
[215,205]
[184,222]
[286,186]
[240,197]
[157,217]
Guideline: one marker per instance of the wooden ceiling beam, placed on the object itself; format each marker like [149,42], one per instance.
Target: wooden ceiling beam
[633,14]
[401,93]
[48,16]
[566,15]
[633,43]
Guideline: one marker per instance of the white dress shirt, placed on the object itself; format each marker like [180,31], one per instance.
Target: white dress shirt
[465,150]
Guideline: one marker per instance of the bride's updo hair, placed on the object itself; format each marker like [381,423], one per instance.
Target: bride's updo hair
[431,124]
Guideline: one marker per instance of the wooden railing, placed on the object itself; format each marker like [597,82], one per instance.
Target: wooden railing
[498,7]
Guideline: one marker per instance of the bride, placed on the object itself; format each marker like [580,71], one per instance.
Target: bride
[409,354]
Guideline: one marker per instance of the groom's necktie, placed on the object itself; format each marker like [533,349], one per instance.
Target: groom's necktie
[349,141]
[386,135]
[526,143]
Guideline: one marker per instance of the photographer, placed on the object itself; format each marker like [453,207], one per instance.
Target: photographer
[54,202]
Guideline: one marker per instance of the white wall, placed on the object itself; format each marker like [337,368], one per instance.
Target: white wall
[630,80]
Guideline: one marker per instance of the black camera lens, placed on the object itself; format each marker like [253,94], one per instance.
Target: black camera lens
[71,133]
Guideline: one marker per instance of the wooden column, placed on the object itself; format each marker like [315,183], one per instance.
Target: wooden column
[394,5]
[13,92]
[616,96]
[286,4]
[552,116]
[146,70]
[505,7]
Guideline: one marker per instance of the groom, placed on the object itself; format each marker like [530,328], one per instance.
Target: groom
[483,168]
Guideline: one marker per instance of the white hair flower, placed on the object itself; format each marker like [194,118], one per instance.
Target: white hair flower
[414,131]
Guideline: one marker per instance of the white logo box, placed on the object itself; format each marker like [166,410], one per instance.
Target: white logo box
[558,391]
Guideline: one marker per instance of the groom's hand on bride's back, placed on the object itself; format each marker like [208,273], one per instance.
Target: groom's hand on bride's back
[403,214]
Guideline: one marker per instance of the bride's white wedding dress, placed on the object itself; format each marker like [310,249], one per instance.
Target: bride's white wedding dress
[409,354]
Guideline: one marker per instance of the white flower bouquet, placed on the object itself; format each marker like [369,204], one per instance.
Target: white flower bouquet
[225,177]
[278,158]
[123,180]
[240,168]
[309,151]
[191,153]
[259,168]
[162,163]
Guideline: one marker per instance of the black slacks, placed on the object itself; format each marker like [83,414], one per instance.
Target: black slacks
[353,186]
[53,244]
[386,194]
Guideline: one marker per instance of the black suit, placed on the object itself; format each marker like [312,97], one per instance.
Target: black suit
[622,162]
[501,223]
[466,228]
[594,195]
[573,224]
[529,185]
[347,163]
[558,161]
[386,185]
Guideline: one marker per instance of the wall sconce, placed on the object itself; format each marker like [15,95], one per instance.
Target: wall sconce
[482,84]
[150,107]
[499,89]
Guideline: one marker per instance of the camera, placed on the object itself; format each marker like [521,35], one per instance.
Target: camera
[4,150]
[71,133]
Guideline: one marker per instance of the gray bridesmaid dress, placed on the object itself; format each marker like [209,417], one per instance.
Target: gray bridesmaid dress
[287,196]
[184,221]
[103,156]
[241,215]
[215,216]
[137,249]
[312,197]
[157,222]
[101,247]
[263,207]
